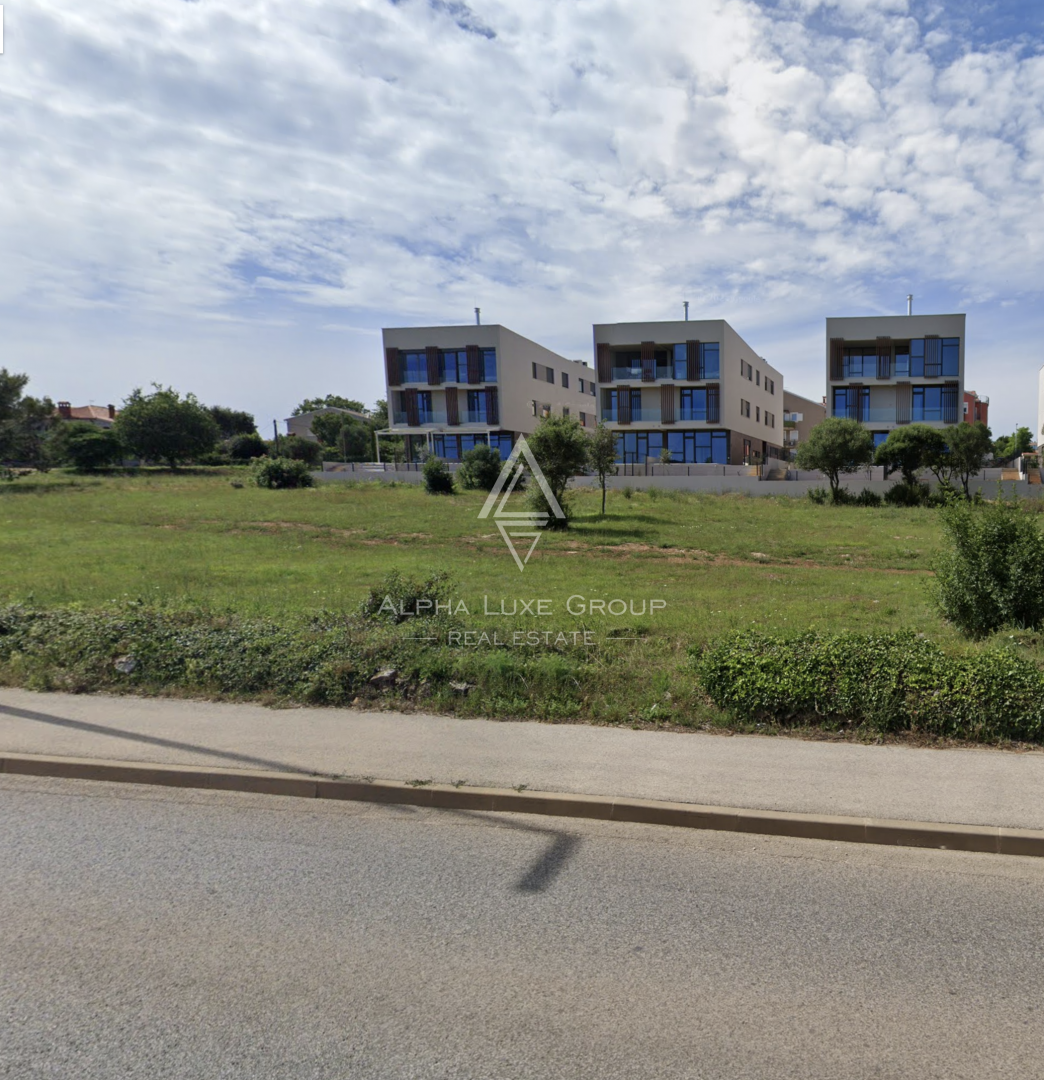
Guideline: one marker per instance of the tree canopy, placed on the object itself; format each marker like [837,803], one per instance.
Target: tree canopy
[24,420]
[84,446]
[232,422]
[967,450]
[163,426]
[561,449]
[601,452]
[835,446]
[1007,447]
[909,448]
[331,401]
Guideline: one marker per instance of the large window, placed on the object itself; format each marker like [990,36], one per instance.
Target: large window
[414,366]
[860,362]
[927,403]
[693,447]
[489,365]
[611,404]
[476,406]
[951,356]
[693,405]
[851,401]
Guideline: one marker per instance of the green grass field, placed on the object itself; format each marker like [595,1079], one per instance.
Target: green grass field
[720,563]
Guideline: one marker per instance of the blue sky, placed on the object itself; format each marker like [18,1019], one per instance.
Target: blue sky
[234,197]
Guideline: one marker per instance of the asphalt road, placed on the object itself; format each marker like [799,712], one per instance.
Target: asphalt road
[156,933]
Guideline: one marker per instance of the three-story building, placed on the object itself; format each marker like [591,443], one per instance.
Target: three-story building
[696,389]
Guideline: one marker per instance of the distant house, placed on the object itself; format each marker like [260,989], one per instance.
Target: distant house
[102,416]
[301,425]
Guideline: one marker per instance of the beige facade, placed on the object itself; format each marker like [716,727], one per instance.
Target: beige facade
[886,371]
[800,416]
[452,386]
[695,388]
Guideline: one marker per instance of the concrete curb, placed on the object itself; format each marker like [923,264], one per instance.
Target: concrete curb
[923,834]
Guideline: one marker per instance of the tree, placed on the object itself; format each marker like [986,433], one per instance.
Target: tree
[480,468]
[297,449]
[24,421]
[245,447]
[331,401]
[1010,446]
[438,480]
[601,453]
[84,446]
[232,422]
[163,426]
[561,449]
[834,446]
[910,448]
[967,451]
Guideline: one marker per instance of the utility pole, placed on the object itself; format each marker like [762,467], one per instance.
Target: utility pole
[686,303]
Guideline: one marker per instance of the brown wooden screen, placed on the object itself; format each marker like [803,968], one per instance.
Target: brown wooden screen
[605,364]
[667,404]
[394,368]
[410,401]
[474,364]
[623,404]
[903,402]
[492,406]
[837,358]
[452,406]
[949,403]
[693,364]
[884,358]
[713,405]
[932,357]
[431,354]
[648,361]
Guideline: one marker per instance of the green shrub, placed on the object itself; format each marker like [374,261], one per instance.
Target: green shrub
[884,683]
[868,497]
[398,598]
[438,480]
[281,472]
[480,468]
[245,447]
[990,573]
[84,446]
[213,458]
[296,448]
[819,495]
[903,494]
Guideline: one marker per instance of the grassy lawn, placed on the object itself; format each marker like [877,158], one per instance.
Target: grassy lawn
[719,562]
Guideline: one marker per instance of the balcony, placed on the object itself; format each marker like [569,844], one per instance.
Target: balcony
[638,416]
[425,418]
[662,372]
[867,416]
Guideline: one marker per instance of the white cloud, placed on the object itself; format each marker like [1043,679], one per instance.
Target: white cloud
[330,165]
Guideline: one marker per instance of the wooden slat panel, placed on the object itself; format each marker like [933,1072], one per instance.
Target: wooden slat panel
[393,366]
[884,358]
[605,364]
[693,365]
[410,401]
[837,358]
[949,403]
[431,354]
[713,404]
[492,406]
[932,357]
[474,364]
[903,402]
[452,406]
[623,404]
[667,404]
[648,361]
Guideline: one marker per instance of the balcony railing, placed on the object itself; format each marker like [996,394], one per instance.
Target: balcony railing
[638,416]
[425,417]
[662,372]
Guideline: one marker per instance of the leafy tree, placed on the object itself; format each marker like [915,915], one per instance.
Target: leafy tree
[24,421]
[480,468]
[245,447]
[966,452]
[601,452]
[835,446]
[163,426]
[379,415]
[1010,446]
[910,448]
[561,449]
[438,480]
[296,448]
[232,422]
[84,446]
[331,401]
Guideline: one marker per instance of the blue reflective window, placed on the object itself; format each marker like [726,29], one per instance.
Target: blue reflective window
[917,358]
[711,355]
[414,367]
[951,356]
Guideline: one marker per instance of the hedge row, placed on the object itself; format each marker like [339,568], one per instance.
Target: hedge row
[884,683]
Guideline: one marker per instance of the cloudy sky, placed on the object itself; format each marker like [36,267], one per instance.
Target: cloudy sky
[233,196]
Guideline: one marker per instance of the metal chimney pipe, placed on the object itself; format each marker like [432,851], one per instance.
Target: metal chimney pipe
[478,316]
[686,303]
[909,304]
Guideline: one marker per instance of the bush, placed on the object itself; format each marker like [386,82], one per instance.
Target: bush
[868,497]
[281,472]
[438,480]
[398,598]
[84,446]
[903,494]
[886,683]
[297,449]
[819,495]
[214,458]
[991,573]
[245,447]
[480,468]
[537,503]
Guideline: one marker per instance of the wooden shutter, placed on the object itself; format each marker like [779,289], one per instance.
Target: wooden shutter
[903,402]
[431,354]
[623,404]
[393,366]
[949,403]
[648,361]
[474,364]
[452,406]
[714,404]
[932,357]
[492,406]
[884,358]
[837,358]
[605,364]
[855,401]
[693,363]
[409,398]
[667,404]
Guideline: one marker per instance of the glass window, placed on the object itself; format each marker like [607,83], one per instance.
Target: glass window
[476,407]
[424,406]
[414,367]
[860,361]
[489,365]
[693,405]
[927,403]
[711,354]
[902,359]
[917,358]
[502,443]
[951,356]
[879,437]
[565,381]
[549,374]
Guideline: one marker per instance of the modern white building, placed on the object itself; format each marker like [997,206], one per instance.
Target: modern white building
[453,387]
[890,370]
[694,388]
